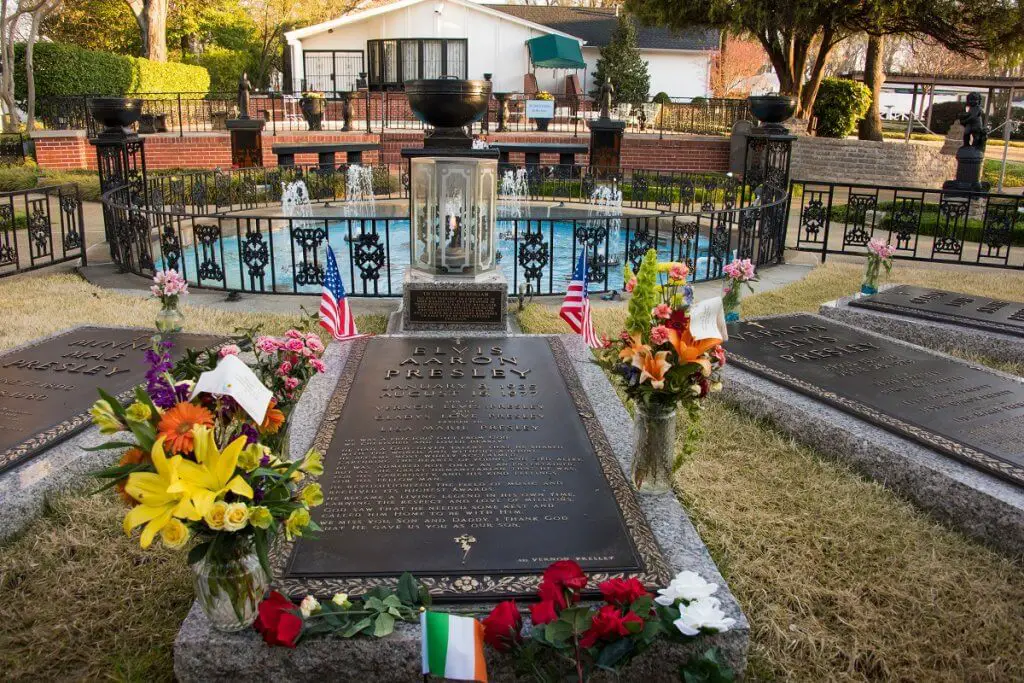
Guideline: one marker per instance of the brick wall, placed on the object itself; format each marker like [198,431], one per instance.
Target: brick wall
[875,163]
[213,150]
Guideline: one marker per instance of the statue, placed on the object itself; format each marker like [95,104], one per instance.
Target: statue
[607,91]
[244,88]
[973,121]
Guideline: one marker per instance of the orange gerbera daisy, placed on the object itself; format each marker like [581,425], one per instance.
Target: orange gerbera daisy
[273,420]
[132,456]
[177,423]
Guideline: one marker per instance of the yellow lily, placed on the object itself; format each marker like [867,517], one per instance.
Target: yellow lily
[213,474]
[157,503]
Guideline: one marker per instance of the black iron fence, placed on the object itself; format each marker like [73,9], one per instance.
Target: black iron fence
[41,227]
[375,112]
[12,149]
[230,231]
[984,229]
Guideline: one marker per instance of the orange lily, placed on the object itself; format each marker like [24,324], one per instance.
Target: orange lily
[652,367]
[689,350]
[634,346]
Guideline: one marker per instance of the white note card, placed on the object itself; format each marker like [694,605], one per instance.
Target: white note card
[707,320]
[233,378]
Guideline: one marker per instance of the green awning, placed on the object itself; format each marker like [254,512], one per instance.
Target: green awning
[556,52]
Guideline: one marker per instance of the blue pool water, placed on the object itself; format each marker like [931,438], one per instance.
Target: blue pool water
[279,274]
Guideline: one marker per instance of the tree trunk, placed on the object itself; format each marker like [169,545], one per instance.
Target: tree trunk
[810,91]
[870,127]
[151,17]
[11,119]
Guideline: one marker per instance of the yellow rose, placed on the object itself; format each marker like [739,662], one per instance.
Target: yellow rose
[216,515]
[313,463]
[297,476]
[250,457]
[138,412]
[260,517]
[104,417]
[296,522]
[313,495]
[175,534]
[236,516]
[341,600]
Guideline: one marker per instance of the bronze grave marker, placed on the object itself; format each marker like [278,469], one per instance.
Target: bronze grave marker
[982,312]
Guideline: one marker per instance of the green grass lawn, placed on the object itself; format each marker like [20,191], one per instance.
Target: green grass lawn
[841,579]
[1014,173]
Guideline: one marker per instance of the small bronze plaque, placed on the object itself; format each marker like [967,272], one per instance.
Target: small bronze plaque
[952,407]
[472,463]
[457,306]
[46,389]
[994,315]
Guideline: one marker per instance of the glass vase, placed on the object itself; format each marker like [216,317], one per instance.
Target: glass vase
[229,590]
[731,304]
[169,319]
[654,448]
[870,284]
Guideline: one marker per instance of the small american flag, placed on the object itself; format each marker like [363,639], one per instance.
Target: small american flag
[576,307]
[335,315]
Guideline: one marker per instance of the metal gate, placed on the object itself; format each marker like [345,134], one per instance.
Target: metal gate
[332,71]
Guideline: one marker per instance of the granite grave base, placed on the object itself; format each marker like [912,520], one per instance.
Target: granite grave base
[975,502]
[203,654]
[933,334]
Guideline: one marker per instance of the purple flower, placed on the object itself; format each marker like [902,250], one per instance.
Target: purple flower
[257,494]
[688,293]
[265,461]
[250,433]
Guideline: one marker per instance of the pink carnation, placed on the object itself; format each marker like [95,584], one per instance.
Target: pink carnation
[267,344]
[294,334]
[659,335]
[881,248]
[229,350]
[663,311]
[719,354]
[742,270]
[285,368]
[293,344]
[678,271]
[314,343]
[318,365]
[291,383]
[630,285]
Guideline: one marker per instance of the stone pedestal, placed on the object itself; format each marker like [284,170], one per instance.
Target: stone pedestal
[969,162]
[246,142]
[606,146]
[448,302]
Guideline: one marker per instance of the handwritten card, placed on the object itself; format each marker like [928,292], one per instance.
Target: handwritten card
[233,378]
[707,320]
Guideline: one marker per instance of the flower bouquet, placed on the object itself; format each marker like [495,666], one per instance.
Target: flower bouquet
[661,363]
[570,641]
[737,273]
[199,471]
[880,255]
[167,286]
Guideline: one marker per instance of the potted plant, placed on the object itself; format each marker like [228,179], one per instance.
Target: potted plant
[543,122]
[312,105]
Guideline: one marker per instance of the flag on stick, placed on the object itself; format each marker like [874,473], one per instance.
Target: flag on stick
[453,647]
[335,315]
[576,306]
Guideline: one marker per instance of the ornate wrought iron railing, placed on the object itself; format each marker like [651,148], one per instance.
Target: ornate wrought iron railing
[41,227]
[982,229]
[239,239]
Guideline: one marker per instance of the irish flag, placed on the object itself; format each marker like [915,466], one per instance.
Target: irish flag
[453,647]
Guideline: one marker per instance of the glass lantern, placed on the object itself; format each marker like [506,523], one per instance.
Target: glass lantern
[453,215]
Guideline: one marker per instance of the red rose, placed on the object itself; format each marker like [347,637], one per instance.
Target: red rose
[549,592]
[566,574]
[277,621]
[502,626]
[543,612]
[622,592]
[610,624]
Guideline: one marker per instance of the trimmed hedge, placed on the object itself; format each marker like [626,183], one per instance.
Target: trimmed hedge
[225,67]
[63,69]
[840,104]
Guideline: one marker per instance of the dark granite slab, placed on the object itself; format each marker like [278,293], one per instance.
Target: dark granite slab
[982,312]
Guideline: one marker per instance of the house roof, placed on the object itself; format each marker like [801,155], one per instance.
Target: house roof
[372,8]
[595,25]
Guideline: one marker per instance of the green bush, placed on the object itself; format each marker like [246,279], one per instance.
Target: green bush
[225,67]
[662,98]
[19,177]
[840,104]
[63,69]
[88,182]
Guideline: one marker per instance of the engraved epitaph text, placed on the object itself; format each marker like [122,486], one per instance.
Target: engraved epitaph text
[982,312]
[464,306]
[953,407]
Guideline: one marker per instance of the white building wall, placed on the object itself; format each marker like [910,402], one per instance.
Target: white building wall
[677,73]
[496,45]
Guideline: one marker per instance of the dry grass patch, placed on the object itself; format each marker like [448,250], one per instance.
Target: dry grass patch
[81,600]
[842,579]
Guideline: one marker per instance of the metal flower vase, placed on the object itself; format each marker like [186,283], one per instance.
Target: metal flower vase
[654,448]
[229,590]
[169,319]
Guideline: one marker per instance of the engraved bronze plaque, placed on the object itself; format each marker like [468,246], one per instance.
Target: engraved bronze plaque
[46,389]
[457,306]
[471,462]
[958,409]
[995,315]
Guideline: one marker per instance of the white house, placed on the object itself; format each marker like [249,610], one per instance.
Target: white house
[397,40]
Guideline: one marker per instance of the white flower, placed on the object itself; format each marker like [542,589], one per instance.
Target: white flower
[309,605]
[686,585]
[341,600]
[702,614]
